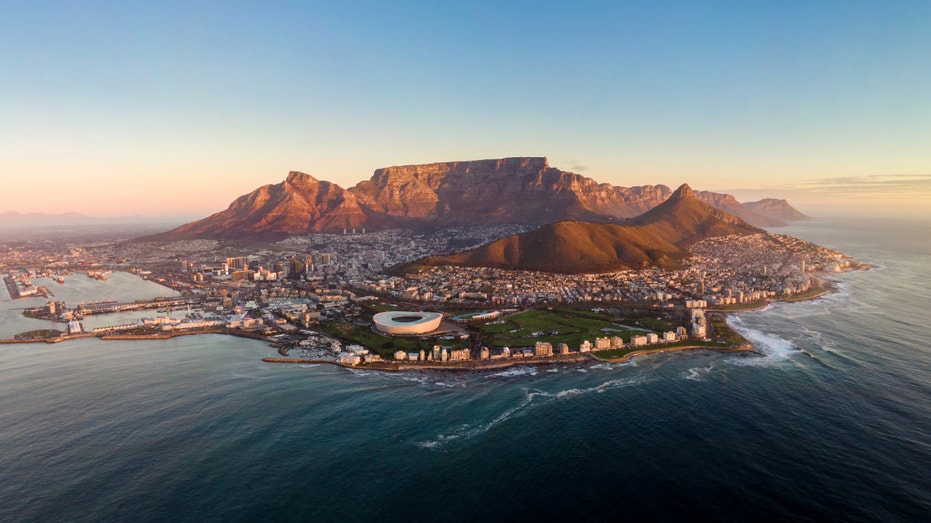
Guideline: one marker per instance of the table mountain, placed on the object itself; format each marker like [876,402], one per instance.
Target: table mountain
[522,190]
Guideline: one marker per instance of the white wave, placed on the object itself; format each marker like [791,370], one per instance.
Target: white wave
[515,371]
[467,431]
[531,399]
[773,347]
[570,392]
[409,379]
[236,375]
[362,373]
[598,389]
[771,344]
[698,373]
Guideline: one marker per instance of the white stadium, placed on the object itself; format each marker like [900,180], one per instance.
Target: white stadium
[403,322]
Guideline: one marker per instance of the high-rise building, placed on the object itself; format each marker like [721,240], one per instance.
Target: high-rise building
[238,263]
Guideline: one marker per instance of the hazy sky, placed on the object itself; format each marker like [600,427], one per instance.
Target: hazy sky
[176,108]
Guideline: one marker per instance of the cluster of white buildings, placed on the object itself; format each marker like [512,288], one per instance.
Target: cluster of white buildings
[544,349]
[437,354]
[192,325]
[356,354]
[114,328]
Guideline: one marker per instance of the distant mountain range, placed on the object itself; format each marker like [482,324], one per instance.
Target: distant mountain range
[658,238]
[73,218]
[482,192]
[777,210]
[18,217]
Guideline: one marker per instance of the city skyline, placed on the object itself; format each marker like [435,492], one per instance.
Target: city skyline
[117,109]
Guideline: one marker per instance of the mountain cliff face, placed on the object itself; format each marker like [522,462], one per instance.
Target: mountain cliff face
[729,204]
[658,238]
[524,190]
[776,209]
[300,204]
[508,190]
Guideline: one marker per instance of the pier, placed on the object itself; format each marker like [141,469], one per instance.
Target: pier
[88,309]
[11,287]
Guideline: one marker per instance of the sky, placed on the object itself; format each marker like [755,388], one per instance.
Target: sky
[176,108]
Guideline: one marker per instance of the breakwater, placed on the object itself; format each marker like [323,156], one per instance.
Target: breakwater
[295,360]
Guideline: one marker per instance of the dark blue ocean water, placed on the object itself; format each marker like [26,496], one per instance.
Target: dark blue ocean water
[830,420]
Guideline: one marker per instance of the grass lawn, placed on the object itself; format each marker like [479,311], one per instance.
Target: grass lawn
[810,293]
[614,353]
[572,328]
[742,306]
[653,323]
[384,345]
[382,307]
[42,334]
[617,353]
[723,333]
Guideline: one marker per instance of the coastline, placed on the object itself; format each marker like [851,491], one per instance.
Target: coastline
[742,347]
[464,366]
[117,337]
[822,287]
[473,365]
[389,366]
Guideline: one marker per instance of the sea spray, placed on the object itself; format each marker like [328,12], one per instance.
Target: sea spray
[772,347]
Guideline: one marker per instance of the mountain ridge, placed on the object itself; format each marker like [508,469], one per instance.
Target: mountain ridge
[658,238]
[776,208]
[524,190]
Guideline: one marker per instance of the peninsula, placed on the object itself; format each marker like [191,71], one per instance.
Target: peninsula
[310,268]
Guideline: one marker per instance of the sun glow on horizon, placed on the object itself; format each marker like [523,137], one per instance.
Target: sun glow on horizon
[178,109]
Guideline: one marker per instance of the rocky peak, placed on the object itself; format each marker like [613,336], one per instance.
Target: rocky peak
[684,192]
[776,209]
[299,179]
[520,189]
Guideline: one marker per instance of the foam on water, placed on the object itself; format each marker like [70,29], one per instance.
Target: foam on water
[599,389]
[532,398]
[698,373]
[363,373]
[243,376]
[468,431]
[775,350]
[405,379]
[448,385]
[111,431]
[514,372]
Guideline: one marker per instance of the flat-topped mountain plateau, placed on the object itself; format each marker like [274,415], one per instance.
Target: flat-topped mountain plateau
[523,190]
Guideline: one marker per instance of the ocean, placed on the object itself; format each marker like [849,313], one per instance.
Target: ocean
[829,419]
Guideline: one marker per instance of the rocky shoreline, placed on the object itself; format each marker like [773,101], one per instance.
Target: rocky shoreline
[473,365]
[824,287]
